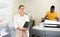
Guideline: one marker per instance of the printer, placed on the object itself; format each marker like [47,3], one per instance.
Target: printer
[52,24]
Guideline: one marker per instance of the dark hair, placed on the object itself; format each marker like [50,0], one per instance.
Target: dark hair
[21,6]
[53,6]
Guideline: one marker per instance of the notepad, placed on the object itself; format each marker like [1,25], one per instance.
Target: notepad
[26,25]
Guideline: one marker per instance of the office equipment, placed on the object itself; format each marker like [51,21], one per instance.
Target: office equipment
[52,24]
[26,25]
[46,31]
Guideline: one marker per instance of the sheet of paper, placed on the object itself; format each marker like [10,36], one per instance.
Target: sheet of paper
[51,25]
[51,22]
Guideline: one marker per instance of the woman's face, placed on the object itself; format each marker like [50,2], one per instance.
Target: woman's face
[21,10]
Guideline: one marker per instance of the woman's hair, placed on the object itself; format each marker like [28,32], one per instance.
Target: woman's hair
[21,6]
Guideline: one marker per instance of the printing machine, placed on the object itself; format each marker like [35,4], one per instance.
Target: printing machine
[52,28]
[52,24]
[47,29]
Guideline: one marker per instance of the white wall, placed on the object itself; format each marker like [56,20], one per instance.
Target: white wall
[37,8]
[6,9]
[6,12]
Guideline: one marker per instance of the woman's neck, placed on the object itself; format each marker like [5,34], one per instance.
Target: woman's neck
[21,14]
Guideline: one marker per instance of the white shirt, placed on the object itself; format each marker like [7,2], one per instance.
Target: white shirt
[20,20]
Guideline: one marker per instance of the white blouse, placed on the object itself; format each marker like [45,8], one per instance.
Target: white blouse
[20,20]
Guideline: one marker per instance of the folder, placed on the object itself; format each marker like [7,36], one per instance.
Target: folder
[26,25]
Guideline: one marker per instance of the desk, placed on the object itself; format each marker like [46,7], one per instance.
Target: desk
[46,32]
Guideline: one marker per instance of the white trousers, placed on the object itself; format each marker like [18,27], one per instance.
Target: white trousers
[20,33]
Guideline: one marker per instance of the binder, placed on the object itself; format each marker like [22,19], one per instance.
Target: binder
[26,25]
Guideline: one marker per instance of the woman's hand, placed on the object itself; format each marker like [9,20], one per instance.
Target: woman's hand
[23,29]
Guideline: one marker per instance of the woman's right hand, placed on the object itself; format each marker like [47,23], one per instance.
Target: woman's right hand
[23,29]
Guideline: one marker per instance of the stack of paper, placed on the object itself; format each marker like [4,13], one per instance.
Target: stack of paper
[51,25]
[51,22]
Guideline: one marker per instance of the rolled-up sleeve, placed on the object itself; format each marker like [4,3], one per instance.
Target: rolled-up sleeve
[15,22]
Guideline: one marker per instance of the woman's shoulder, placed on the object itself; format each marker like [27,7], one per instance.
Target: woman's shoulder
[26,15]
[16,15]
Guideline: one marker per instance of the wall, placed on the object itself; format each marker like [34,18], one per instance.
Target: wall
[5,9]
[5,12]
[37,8]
